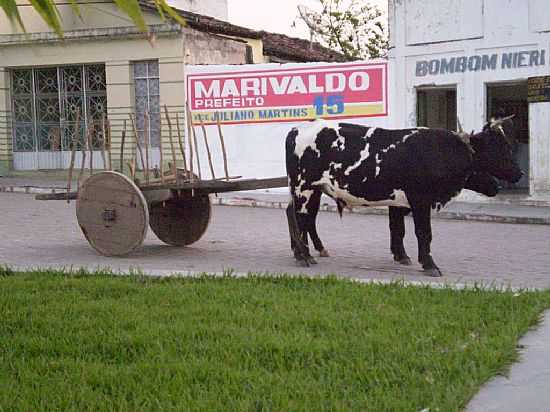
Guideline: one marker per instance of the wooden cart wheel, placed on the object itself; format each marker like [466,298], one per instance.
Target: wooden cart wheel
[181,221]
[112,213]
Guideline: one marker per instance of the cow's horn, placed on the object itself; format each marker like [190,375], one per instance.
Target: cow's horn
[465,137]
[460,130]
[498,122]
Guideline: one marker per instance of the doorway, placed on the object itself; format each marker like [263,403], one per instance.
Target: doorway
[436,108]
[505,99]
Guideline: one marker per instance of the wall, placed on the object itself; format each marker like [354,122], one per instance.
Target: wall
[214,8]
[447,20]
[111,39]
[102,14]
[117,55]
[474,28]
[5,130]
[539,123]
[205,48]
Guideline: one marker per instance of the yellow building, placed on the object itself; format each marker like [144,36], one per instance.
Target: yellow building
[104,69]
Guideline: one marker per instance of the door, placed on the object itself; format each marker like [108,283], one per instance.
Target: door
[511,99]
[436,108]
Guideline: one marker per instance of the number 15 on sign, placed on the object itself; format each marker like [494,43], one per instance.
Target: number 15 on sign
[333,104]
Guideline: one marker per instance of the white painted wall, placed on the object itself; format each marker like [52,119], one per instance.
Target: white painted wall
[213,8]
[539,123]
[430,30]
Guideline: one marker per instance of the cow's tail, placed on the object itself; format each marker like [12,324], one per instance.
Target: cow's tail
[292,161]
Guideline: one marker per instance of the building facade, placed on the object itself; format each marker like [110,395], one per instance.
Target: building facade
[103,73]
[472,60]
[218,9]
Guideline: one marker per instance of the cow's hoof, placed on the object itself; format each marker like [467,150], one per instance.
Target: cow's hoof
[406,261]
[324,253]
[433,272]
[403,260]
[311,260]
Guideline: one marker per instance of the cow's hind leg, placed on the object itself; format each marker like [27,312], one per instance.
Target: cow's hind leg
[304,222]
[297,234]
[397,233]
[423,229]
[313,209]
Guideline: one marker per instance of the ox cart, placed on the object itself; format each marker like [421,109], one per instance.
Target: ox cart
[115,211]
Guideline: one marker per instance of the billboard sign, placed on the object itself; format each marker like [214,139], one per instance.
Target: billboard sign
[287,94]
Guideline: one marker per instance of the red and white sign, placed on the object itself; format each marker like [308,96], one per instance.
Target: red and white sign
[343,90]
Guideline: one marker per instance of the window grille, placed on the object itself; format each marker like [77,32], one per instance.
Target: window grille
[147,99]
[45,102]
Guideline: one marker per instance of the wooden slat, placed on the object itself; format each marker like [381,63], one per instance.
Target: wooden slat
[220,186]
[208,186]
[57,196]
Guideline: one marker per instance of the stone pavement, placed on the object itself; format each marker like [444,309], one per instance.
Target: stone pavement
[526,388]
[256,239]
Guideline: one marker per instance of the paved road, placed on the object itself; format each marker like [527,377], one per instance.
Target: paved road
[45,234]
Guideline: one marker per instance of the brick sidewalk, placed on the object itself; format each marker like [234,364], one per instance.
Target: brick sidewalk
[38,233]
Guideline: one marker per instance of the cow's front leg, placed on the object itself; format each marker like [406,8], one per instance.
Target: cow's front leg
[423,229]
[397,233]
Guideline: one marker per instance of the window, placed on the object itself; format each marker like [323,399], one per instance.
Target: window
[45,102]
[147,99]
[436,108]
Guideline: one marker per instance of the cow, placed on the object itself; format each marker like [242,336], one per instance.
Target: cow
[414,169]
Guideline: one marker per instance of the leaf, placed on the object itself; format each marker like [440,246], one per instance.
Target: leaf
[10,8]
[132,9]
[162,6]
[49,13]
[75,8]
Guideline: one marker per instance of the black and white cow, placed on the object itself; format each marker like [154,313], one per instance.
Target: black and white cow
[410,169]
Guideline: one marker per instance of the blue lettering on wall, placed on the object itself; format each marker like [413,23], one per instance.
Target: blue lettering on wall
[481,62]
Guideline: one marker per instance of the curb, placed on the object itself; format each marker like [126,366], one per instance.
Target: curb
[31,189]
[250,202]
[444,215]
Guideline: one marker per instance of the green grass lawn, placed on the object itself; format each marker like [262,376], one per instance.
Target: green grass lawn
[100,342]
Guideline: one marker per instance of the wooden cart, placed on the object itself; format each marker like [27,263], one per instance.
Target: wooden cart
[114,212]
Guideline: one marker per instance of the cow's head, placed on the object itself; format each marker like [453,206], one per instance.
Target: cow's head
[483,183]
[493,150]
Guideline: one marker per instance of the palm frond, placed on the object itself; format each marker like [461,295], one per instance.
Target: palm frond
[49,12]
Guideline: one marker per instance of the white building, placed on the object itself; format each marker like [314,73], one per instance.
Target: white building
[470,59]
[213,8]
